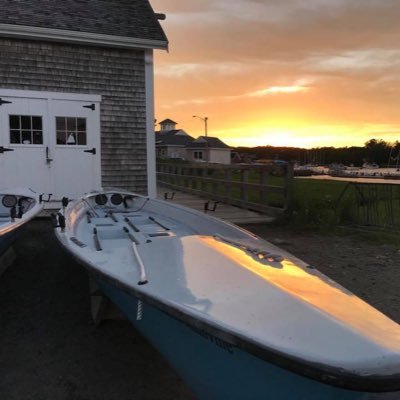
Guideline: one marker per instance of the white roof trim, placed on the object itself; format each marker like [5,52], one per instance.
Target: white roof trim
[67,36]
[34,94]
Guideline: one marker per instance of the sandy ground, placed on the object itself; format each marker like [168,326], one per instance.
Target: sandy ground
[50,349]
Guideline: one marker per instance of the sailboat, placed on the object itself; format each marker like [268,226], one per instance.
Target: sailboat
[17,207]
[236,316]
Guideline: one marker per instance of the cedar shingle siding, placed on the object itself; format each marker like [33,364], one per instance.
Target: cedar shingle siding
[117,75]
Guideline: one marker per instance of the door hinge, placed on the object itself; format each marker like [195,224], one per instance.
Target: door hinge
[90,107]
[3,149]
[93,151]
[4,102]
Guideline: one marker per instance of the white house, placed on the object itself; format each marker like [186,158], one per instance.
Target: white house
[171,142]
[209,149]
[177,144]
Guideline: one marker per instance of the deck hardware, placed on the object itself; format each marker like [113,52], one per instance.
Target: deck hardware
[260,255]
[4,149]
[73,239]
[61,221]
[125,198]
[13,213]
[133,226]
[90,106]
[159,234]
[134,240]
[112,216]
[139,313]
[169,195]
[143,280]
[88,217]
[20,211]
[101,199]
[96,240]
[208,208]
[116,199]
[4,102]
[159,223]
[58,221]
[9,200]
[45,201]
[64,201]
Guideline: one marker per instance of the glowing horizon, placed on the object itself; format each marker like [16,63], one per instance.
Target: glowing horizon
[300,74]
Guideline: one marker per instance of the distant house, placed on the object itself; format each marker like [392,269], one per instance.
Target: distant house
[171,142]
[209,149]
[76,95]
[177,144]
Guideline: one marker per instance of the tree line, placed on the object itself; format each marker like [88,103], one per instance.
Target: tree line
[374,151]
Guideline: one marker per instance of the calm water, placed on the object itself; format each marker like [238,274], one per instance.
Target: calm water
[378,172]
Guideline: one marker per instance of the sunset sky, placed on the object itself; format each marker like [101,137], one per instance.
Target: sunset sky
[303,73]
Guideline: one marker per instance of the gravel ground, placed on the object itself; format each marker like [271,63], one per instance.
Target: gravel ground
[49,349]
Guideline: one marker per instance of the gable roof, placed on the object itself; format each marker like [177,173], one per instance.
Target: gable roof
[128,19]
[208,142]
[168,121]
[176,137]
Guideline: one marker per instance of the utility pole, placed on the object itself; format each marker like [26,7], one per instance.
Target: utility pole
[205,120]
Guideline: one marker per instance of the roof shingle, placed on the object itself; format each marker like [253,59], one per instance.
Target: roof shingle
[127,18]
[208,142]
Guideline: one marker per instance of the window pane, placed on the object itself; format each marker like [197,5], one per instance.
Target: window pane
[71,124]
[60,124]
[15,137]
[82,138]
[71,131]
[14,122]
[71,138]
[26,129]
[61,137]
[37,123]
[81,124]
[26,122]
[26,137]
[37,137]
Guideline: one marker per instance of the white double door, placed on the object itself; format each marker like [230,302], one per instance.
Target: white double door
[50,145]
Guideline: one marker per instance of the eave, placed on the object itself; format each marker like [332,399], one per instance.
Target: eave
[76,37]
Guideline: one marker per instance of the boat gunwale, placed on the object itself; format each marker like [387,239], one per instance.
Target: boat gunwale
[12,226]
[322,373]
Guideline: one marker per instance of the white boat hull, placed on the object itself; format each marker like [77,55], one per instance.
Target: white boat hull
[17,207]
[231,312]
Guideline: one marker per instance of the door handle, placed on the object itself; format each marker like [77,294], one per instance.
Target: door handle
[93,151]
[3,149]
[48,159]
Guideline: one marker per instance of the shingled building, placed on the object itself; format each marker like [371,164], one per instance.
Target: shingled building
[76,94]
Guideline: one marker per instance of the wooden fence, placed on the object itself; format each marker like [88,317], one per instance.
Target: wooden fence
[265,188]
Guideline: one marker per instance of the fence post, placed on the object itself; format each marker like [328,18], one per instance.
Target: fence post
[244,193]
[264,175]
[288,187]
[228,183]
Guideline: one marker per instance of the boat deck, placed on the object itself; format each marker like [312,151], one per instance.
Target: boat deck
[226,212]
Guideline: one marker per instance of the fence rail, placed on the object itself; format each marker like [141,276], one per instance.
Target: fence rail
[265,188]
